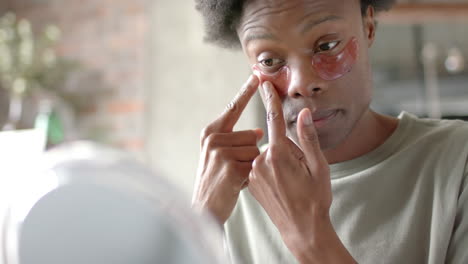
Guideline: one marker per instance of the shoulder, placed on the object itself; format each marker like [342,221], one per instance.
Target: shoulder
[429,123]
[440,142]
[436,130]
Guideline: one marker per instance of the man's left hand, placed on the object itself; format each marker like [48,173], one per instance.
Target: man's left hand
[293,184]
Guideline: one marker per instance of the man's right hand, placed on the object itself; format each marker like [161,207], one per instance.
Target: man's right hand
[226,158]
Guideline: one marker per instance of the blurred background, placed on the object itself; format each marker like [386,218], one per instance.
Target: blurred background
[136,74]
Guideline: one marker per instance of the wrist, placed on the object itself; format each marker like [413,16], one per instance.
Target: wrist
[320,245]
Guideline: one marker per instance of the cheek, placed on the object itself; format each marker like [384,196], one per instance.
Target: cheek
[334,67]
[280,79]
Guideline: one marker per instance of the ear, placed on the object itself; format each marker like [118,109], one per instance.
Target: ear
[370,25]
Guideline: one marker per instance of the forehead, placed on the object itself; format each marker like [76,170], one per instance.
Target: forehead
[270,12]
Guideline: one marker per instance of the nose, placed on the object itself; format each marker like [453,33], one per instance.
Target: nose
[304,81]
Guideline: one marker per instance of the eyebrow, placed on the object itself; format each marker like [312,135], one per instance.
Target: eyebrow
[256,36]
[307,27]
[312,24]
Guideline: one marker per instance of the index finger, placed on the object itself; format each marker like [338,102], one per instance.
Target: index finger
[230,116]
[275,118]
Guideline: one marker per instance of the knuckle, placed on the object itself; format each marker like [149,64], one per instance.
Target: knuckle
[255,165]
[272,161]
[211,140]
[310,136]
[269,159]
[217,154]
[244,90]
[233,106]
[254,174]
[274,152]
[206,131]
[272,115]
[259,164]
[261,158]
[268,96]
[252,179]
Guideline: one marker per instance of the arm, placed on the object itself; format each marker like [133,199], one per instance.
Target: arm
[324,246]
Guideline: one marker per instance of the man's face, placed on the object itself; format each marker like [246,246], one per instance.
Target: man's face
[315,52]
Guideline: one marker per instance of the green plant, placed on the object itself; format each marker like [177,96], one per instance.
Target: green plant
[28,61]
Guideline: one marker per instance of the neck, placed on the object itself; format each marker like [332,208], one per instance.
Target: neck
[371,131]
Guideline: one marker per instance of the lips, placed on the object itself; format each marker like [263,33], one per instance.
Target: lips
[318,116]
[322,115]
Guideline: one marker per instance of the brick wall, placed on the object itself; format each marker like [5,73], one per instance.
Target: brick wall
[108,38]
[187,83]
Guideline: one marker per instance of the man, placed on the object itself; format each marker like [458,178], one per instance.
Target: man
[398,185]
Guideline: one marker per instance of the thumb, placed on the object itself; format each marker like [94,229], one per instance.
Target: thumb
[309,141]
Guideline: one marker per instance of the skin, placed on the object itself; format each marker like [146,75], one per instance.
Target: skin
[267,31]
[314,123]
[327,66]
[280,78]
[332,67]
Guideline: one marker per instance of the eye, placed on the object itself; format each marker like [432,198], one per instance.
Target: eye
[327,46]
[270,63]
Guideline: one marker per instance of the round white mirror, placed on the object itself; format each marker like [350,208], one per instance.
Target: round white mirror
[93,205]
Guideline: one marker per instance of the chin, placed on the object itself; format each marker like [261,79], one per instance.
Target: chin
[328,142]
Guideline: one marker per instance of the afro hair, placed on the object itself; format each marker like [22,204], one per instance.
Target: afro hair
[221,18]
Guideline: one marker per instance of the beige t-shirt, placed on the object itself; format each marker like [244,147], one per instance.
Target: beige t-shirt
[404,202]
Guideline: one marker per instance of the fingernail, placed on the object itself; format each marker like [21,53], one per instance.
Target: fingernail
[308,118]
